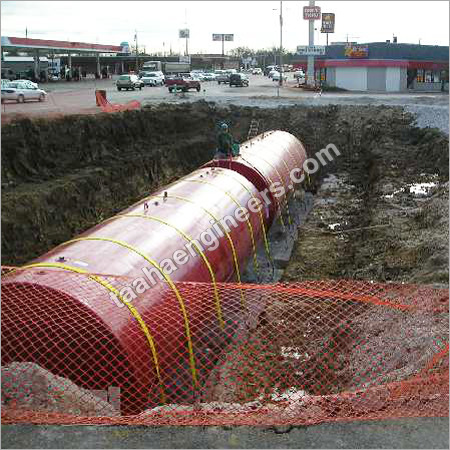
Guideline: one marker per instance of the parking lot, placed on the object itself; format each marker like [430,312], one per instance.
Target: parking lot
[79,98]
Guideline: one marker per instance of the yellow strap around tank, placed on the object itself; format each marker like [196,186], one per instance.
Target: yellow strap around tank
[169,282]
[228,236]
[199,251]
[282,183]
[308,180]
[287,148]
[261,218]
[249,225]
[287,201]
[134,312]
[271,182]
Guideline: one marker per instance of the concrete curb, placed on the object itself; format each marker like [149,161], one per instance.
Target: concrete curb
[395,433]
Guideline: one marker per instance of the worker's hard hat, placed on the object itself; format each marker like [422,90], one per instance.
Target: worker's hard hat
[224,126]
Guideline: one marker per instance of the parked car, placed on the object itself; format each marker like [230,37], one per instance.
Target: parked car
[238,79]
[182,82]
[152,79]
[129,82]
[28,83]
[21,91]
[276,76]
[299,74]
[223,78]
[257,71]
[199,76]
[210,76]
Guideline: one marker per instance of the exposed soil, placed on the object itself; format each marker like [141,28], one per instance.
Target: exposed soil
[381,212]
[62,176]
[369,221]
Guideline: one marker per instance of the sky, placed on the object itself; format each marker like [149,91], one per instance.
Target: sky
[255,24]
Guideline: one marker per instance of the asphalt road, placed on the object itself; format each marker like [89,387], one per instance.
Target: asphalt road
[79,97]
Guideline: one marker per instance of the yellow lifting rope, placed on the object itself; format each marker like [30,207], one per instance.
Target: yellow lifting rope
[199,251]
[170,283]
[308,181]
[282,183]
[134,312]
[230,240]
[261,218]
[249,225]
[277,202]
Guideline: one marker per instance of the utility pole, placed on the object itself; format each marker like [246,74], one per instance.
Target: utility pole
[310,69]
[281,44]
[137,51]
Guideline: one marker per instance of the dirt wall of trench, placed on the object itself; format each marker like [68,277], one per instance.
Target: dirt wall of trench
[62,176]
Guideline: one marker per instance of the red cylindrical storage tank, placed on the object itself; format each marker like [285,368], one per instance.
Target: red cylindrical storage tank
[267,161]
[149,346]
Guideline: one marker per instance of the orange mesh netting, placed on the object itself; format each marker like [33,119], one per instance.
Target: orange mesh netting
[115,107]
[199,354]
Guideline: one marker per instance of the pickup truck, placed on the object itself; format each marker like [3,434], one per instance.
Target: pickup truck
[182,82]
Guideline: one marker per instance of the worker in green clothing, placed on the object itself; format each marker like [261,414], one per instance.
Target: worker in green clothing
[226,146]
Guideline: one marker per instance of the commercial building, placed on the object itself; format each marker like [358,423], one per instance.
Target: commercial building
[382,67]
[41,47]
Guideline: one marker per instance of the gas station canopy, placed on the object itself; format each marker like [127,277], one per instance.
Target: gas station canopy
[17,43]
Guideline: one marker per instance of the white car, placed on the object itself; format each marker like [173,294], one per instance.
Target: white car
[28,83]
[257,71]
[21,91]
[153,79]
[299,75]
[199,76]
[210,76]
[276,76]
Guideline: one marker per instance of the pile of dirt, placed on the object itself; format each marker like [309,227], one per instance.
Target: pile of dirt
[29,387]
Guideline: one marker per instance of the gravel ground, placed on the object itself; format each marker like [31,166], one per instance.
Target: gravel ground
[430,116]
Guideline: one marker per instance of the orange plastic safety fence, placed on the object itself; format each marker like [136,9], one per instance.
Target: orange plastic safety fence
[115,107]
[300,353]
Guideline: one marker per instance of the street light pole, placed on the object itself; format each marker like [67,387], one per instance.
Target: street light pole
[281,43]
[137,57]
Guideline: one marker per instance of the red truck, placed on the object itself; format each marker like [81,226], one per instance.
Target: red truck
[182,82]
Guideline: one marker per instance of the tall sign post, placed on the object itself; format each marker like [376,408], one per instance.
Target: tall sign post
[311,13]
[184,34]
[223,37]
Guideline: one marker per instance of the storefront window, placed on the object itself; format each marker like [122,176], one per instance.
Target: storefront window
[321,74]
[428,76]
[431,76]
[420,76]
